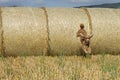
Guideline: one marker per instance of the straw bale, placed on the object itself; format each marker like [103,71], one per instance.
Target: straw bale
[52,31]
[24,31]
[63,25]
[106,30]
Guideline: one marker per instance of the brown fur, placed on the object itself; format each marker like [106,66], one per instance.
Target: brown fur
[85,40]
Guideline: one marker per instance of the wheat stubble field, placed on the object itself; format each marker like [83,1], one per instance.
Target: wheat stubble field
[96,67]
[26,31]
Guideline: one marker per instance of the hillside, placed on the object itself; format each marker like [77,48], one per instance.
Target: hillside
[108,5]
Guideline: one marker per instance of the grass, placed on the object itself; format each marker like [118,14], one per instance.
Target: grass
[109,67]
[97,67]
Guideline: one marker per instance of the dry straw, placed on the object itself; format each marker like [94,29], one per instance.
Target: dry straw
[63,25]
[52,31]
[2,48]
[24,31]
[106,30]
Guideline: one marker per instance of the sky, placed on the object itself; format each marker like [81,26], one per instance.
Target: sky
[54,3]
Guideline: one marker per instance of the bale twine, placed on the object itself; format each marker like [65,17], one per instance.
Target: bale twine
[24,31]
[2,48]
[47,50]
[90,21]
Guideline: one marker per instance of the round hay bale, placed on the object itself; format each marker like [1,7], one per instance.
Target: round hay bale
[106,30]
[52,31]
[63,25]
[24,31]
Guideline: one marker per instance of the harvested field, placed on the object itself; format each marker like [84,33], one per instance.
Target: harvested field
[96,67]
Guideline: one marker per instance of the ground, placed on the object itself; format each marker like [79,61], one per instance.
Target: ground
[96,67]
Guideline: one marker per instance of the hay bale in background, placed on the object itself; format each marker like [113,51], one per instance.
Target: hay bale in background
[25,30]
